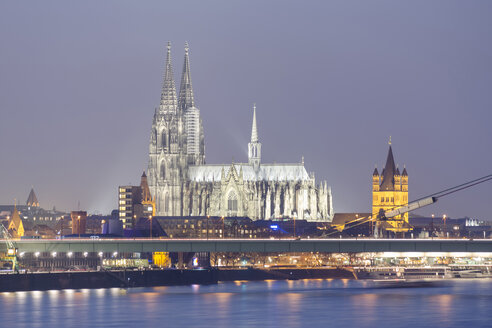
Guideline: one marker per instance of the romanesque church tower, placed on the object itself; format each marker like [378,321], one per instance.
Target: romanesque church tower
[390,191]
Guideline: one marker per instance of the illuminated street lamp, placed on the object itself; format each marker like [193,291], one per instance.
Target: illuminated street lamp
[150,218]
[223,227]
[444,219]
[78,225]
[294,226]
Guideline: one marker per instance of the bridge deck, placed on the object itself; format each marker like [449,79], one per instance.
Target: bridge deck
[253,245]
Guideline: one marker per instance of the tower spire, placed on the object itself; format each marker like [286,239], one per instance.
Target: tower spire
[168,95]
[254,147]
[254,131]
[389,172]
[186,98]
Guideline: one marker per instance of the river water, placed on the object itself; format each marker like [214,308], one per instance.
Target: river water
[301,303]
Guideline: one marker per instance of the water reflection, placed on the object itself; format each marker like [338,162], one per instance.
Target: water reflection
[302,303]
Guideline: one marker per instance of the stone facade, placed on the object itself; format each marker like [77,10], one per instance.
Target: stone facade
[390,191]
[183,185]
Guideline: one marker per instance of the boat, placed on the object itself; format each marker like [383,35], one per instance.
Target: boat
[409,283]
[471,270]
[409,273]
[473,274]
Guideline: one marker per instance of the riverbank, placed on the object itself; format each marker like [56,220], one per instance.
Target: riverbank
[150,278]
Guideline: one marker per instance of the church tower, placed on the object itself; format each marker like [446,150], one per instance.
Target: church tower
[390,191]
[254,147]
[167,149]
[195,147]
[147,201]
[32,200]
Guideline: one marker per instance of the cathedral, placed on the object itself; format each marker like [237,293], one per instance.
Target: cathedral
[182,184]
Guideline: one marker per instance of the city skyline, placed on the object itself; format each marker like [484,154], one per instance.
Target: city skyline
[79,98]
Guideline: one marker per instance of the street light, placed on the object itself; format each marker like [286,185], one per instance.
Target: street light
[223,227]
[444,219]
[432,226]
[294,226]
[150,218]
[78,225]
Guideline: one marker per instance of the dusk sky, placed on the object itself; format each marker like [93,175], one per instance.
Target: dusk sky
[332,80]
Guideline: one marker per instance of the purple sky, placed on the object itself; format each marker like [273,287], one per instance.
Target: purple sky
[79,82]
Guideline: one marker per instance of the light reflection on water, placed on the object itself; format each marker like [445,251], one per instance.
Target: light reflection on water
[303,303]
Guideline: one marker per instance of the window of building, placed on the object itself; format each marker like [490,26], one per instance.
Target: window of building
[232,201]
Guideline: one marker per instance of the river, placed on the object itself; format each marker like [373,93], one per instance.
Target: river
[301,303]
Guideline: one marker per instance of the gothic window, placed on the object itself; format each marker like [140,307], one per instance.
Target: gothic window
[232,202]
[163,171]
[166,204]
[382,199]
[164,138]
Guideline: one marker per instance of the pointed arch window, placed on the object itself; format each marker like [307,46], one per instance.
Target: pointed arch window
[166,204]
[163,171]
[164,138]
[232,201]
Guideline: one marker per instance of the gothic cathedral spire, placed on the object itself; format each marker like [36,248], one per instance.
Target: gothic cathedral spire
[168,95]
[186,99]
[254,147]
[254,131]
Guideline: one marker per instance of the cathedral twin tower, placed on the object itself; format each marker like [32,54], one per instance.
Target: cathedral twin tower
[183,185]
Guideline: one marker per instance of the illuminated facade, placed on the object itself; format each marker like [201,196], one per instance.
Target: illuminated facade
[16,226]
[389,191]
[183,185]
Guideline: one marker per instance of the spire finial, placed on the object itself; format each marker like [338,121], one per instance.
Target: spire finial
[254,131]
[187,48]
[389,142]
[168,46]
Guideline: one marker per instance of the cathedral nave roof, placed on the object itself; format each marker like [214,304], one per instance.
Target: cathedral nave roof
[266,172]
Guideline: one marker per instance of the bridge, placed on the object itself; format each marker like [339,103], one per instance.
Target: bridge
[253,245]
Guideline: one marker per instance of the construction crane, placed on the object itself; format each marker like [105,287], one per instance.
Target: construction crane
[11,255]
[419,203]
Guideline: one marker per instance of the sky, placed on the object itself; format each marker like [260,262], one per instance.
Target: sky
[332,81]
